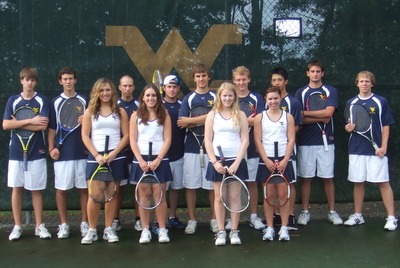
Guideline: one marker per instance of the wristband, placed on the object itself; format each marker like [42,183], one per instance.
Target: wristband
[214,162]
[159,158]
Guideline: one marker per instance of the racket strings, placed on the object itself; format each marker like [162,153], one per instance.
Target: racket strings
[70,112]
[234,194]
[148,192]
[103,175]
[102,191]
[246,107]
[316,102]
[198,130]
[195,112]
[198,111]
[277,191]
[360,117]
[22,114]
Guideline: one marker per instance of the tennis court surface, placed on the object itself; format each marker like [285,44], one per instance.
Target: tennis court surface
[318,244]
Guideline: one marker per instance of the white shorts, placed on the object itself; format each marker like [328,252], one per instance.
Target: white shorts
[194,177]
[70,174]
[34,179]
[368,168]
[313,161]
[252,167]
[177,174]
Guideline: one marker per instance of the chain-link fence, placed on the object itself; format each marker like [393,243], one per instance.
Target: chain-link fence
[285,33]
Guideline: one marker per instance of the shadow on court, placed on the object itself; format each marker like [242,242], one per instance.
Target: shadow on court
[318,244]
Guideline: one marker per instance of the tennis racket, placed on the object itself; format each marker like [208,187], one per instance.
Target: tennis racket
[157,80]
[70,110]
[198,131]
[148,191]
[248,108]
[234,193]
[317,101]
[276,188]
[102,186]
[24,135]
[360,116]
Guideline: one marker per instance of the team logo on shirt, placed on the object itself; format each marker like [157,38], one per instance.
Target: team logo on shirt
[36,110]
[210,103]
[78,109]
[284,108]
[372,110]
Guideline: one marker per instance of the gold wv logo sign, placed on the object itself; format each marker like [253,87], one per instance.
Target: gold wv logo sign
[173,52]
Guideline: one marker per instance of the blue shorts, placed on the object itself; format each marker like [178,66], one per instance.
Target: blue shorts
[263,172]
[118,166]
[163,171]
[213,175]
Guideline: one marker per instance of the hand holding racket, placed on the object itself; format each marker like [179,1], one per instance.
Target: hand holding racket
[198,131]
[317,101]
[24,135]
[102,186]
[70,111]
[276,188]
[148,191]
[234,193]
[157,80]
[360,117]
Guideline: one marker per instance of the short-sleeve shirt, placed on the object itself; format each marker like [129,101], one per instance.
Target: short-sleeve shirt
[310,134]
[292,106]
[73,147]
[189,101]
[259,103]
[37,148]
[176,150]
[381,116]
[129,106]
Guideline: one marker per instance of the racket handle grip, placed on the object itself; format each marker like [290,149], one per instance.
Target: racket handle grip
[201,157]
[25,161]
[325,141]
[375,146]
[150,150]
[106,144]
[276,150]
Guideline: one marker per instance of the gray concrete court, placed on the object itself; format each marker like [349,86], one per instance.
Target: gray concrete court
[318,244]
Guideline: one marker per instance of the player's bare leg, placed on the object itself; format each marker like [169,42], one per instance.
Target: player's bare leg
[359,193]
[61,200]
[330,193]
[37,203]
[211,198]
[83,199]
[253,191]
[161,210]
[16,203]
[218,207]
[111,207]
[191,203]
[387,197]
[305,192]
[173,202]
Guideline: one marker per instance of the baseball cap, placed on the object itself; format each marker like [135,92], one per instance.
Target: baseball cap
[171,79]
